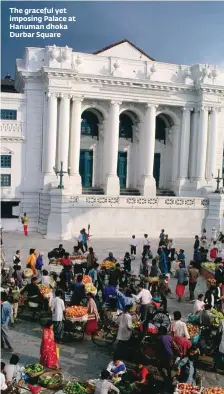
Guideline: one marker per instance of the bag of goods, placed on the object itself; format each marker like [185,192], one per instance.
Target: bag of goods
[213,390]
[193,331]
[45,290]
[51,380]
[27,273]
[109,265]
[218,317]
[194,319]
[22,299]
[76,312]
[86,279]
[90,288]
[74,388]
[34,369]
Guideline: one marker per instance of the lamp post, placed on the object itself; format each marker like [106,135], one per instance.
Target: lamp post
[218,180]
[61,174]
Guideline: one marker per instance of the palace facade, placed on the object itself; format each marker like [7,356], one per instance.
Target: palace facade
[125,127]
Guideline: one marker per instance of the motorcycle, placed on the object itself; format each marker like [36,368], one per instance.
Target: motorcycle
[208,341]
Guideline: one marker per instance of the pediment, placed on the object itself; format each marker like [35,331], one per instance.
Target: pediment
[124,49]
[6,151]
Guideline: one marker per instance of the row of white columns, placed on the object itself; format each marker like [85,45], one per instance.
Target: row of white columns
[194,146]
[198,144]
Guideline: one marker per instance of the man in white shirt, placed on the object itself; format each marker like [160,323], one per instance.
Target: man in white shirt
[178,327]
[144,297]
[199,304]
[58,315]
[2,378]
[104,386]
[133,244]
[124,333]
[214,234]
[146,242]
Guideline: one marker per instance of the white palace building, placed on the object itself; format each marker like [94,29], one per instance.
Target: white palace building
[141,143]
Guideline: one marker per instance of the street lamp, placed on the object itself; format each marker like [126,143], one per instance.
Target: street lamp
[61,174]
[218,180]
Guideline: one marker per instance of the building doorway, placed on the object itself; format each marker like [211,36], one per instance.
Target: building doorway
[86,167]
[122,169]
[156,168]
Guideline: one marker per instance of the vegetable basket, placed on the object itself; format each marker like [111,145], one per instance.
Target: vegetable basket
[34,370]
[51,380]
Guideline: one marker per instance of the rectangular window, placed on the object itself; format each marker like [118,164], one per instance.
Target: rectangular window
[5,161]
[5,180]
[8,114]
[7,209]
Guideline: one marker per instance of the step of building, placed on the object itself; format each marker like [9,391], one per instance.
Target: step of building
[129,192]
[92,190]
[165,192]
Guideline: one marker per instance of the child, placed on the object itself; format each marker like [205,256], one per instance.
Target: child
[45,278]
[199,304]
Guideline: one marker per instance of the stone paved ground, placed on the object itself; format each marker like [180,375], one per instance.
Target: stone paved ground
[84,359]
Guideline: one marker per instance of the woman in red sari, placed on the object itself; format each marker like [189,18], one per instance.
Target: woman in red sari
[91,325]
[48,349]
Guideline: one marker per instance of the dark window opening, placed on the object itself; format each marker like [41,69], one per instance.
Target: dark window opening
[160,130]
[8,114]
[7,209]
[125,127]
[89,124]
[5,180]
[5,161]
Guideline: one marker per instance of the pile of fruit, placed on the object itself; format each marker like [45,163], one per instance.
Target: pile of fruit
[86,279]
[78,257]
[218,316]
[90,288]
[74,388]
[75,311]
[109,265]
[211,282]
[34,369]
[45,290]
[214,390]
[153,280]
[192,330]
[209,266]
[186,388]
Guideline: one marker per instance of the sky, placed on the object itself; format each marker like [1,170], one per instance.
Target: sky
[171,32]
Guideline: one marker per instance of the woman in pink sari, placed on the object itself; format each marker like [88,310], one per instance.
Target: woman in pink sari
[94,316]
[48,349]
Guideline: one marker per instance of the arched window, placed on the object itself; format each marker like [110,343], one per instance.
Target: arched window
[89,124]
[160,130]
[125,127]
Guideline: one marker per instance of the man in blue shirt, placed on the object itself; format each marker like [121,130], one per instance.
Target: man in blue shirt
[6,314]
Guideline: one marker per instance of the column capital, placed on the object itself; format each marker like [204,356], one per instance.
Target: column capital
[185,109]
[77,99]
[51,94]
[215,109]
[203,108]
[115,102]
[149,105]
[64,96]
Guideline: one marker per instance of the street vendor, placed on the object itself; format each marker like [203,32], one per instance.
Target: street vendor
[141,374]
[78,289]
[93,273]
[57,253]
[104,386]
[110,258]
[123,300]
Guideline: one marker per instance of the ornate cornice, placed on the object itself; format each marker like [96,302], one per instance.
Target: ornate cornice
[12,139]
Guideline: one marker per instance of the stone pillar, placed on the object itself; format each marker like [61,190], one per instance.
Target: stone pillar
[51,134]
[64,125]
[148,181]
[112,182]
[59,225]
[140,152]
[194,144]
[176,152]
[202,144]
[212,144]
[74,148]
[185,143]
[215,213]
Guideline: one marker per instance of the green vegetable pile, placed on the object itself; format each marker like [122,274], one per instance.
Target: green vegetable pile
[34,369]
[74,388]
[51,380]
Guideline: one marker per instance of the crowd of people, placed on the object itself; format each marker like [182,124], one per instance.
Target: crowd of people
[115,289]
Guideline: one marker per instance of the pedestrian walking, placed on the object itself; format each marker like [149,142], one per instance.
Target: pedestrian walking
[58,315]
[133,245]
[193,278]
[6,315]
[182,282]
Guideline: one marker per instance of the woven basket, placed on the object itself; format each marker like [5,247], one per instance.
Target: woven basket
[33,374]
[50,375]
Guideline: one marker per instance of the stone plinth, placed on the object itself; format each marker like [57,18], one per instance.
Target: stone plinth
[215,213]
[59,224]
